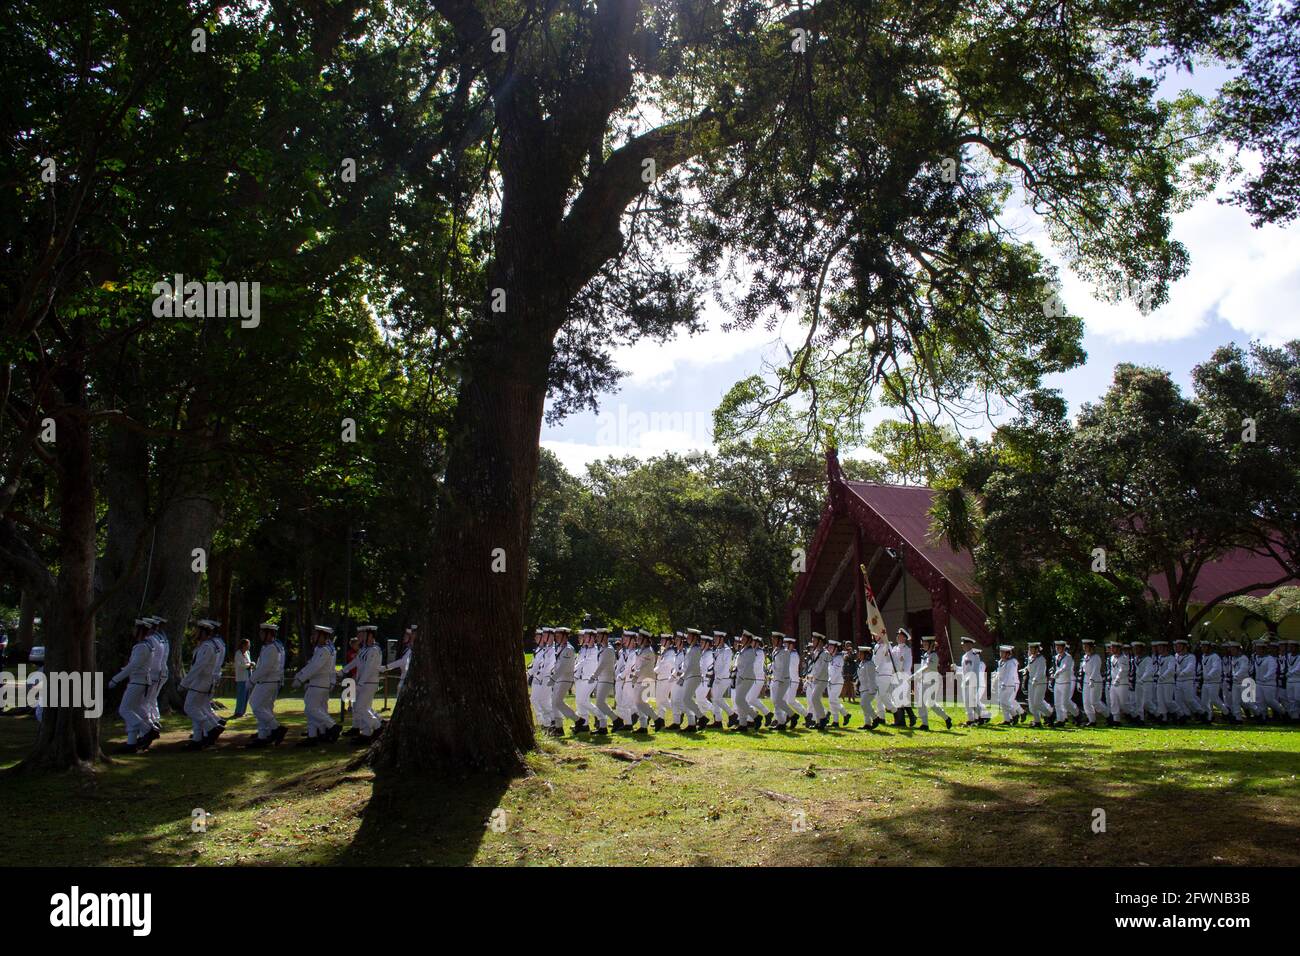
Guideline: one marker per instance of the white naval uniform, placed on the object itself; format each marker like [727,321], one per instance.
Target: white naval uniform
[1266,698]
[818,671]
[561,684]
[1185,683]
[702,689]
[584,684]
[744,682]
[663,672]
[603,680]
[644,663]
[135,700]
[755,699]
[1092,687]
[780,684]
[886,678]
[1008,677]
[402,665]
[1166,672]
[1211,684]
[721,683]
[218,662]
[1148,699]
[1063,688]
[792,686]
[688,681]
[835,685]
[198,683]
[1037,684]
[317,677]
[540,688]
[622,665]
[972,685]
[1120,705]
[928,688]
[159,650]
[903,690]
[1293,685]
[365,666]
[1240,674]
[265,680]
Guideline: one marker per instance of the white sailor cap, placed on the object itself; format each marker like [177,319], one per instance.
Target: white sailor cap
[143,622]
[719,633]
[665,637]
[207,622]
[1087,640]
[36,655]
[903,630]
[1034,644]
[693,631]
[367,627]
[562,630]
[1114,642]
[779,634]
[1139,644]
[1061,643]
[790,640]
[1158,640]
[268,626]
[738,637]
[968,640]
[1181,640]
[323,629]
[1006,647]
[866,647]
[630,633]
[747,633]
[820,636]
[602,630]
[837,643]
[1263,640]
[643,632]
[1231,644]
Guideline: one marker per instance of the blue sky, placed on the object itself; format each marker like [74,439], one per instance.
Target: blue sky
[1243,285]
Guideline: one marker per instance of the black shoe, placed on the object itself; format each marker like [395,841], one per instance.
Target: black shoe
[925,727]
[947,723]
[333,733]
[821,724]
[767,719]
[807,720]
[192,745]
[911,717]
[602,731]
[257,743]
[279,734]
[308,742]
[733,720]
[212,735]
[128,748]
[221,721]
[618,723]
[847,718]
[353,732]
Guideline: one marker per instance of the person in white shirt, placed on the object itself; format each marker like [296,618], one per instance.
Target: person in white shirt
[561,682]
[867,686]
[198,682]
[584,685]
[1063,685]
[603,681]
[1211,682]
[1185,678]
[1090,669]
[972,682]
[1147,702]
[624,665]
[663,673]
[243,667]
[1119,697]
[902,654]
[1266,681]
[762,715]
[721,685]
[539,677]
[745,716]
[688,680]
[815,680]
[643,683]
[267,674]
[929,683]
[366,724]
[316,677]
[1166,682]
[702,703]
[160,649]
[402,663]
[140,733]
[1008,677]
[835,683]
[1238,669]
[780,680]
[792,705]
[1036,680]
[882,655]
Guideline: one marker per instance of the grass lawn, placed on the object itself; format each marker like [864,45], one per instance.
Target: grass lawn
[989,795]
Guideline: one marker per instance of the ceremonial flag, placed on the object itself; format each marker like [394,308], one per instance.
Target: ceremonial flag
[875,623]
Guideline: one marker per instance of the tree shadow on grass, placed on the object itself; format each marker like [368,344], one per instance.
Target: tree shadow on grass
[1035,804]
[413,820]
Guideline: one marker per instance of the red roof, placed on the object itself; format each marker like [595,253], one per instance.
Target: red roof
[1235,570]
[907,510]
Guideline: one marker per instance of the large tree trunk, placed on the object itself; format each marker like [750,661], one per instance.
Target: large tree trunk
[465,707]
[68,738]
[26,619]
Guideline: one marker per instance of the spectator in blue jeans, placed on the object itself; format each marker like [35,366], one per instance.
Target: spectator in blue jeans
[243,664]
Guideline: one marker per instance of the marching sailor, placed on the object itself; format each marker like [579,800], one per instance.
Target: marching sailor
[1063,685]
[584,684]
[793,708]
[722,655]
[867,686]
[1292,672]
[267,674]
[972,682]
[928,684]
[1238,670]
[755,700]
[886,679]
[366,724]
[1037,681]
[643,671]
[539,675]
[663,674]
[702,704]
[1266,699]
[1090,669]
[140,732]
[1166,681]
[1185,678]
[1008,677]
[815,681]
[902,652]
[780,680]
[1148,698]
[561,682]
[688,681]
[1211,682]
[198,682]
[317,677]
[835,683]
[1119,674]
[744,682]
[160,649]
[603,680]
[403,662]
